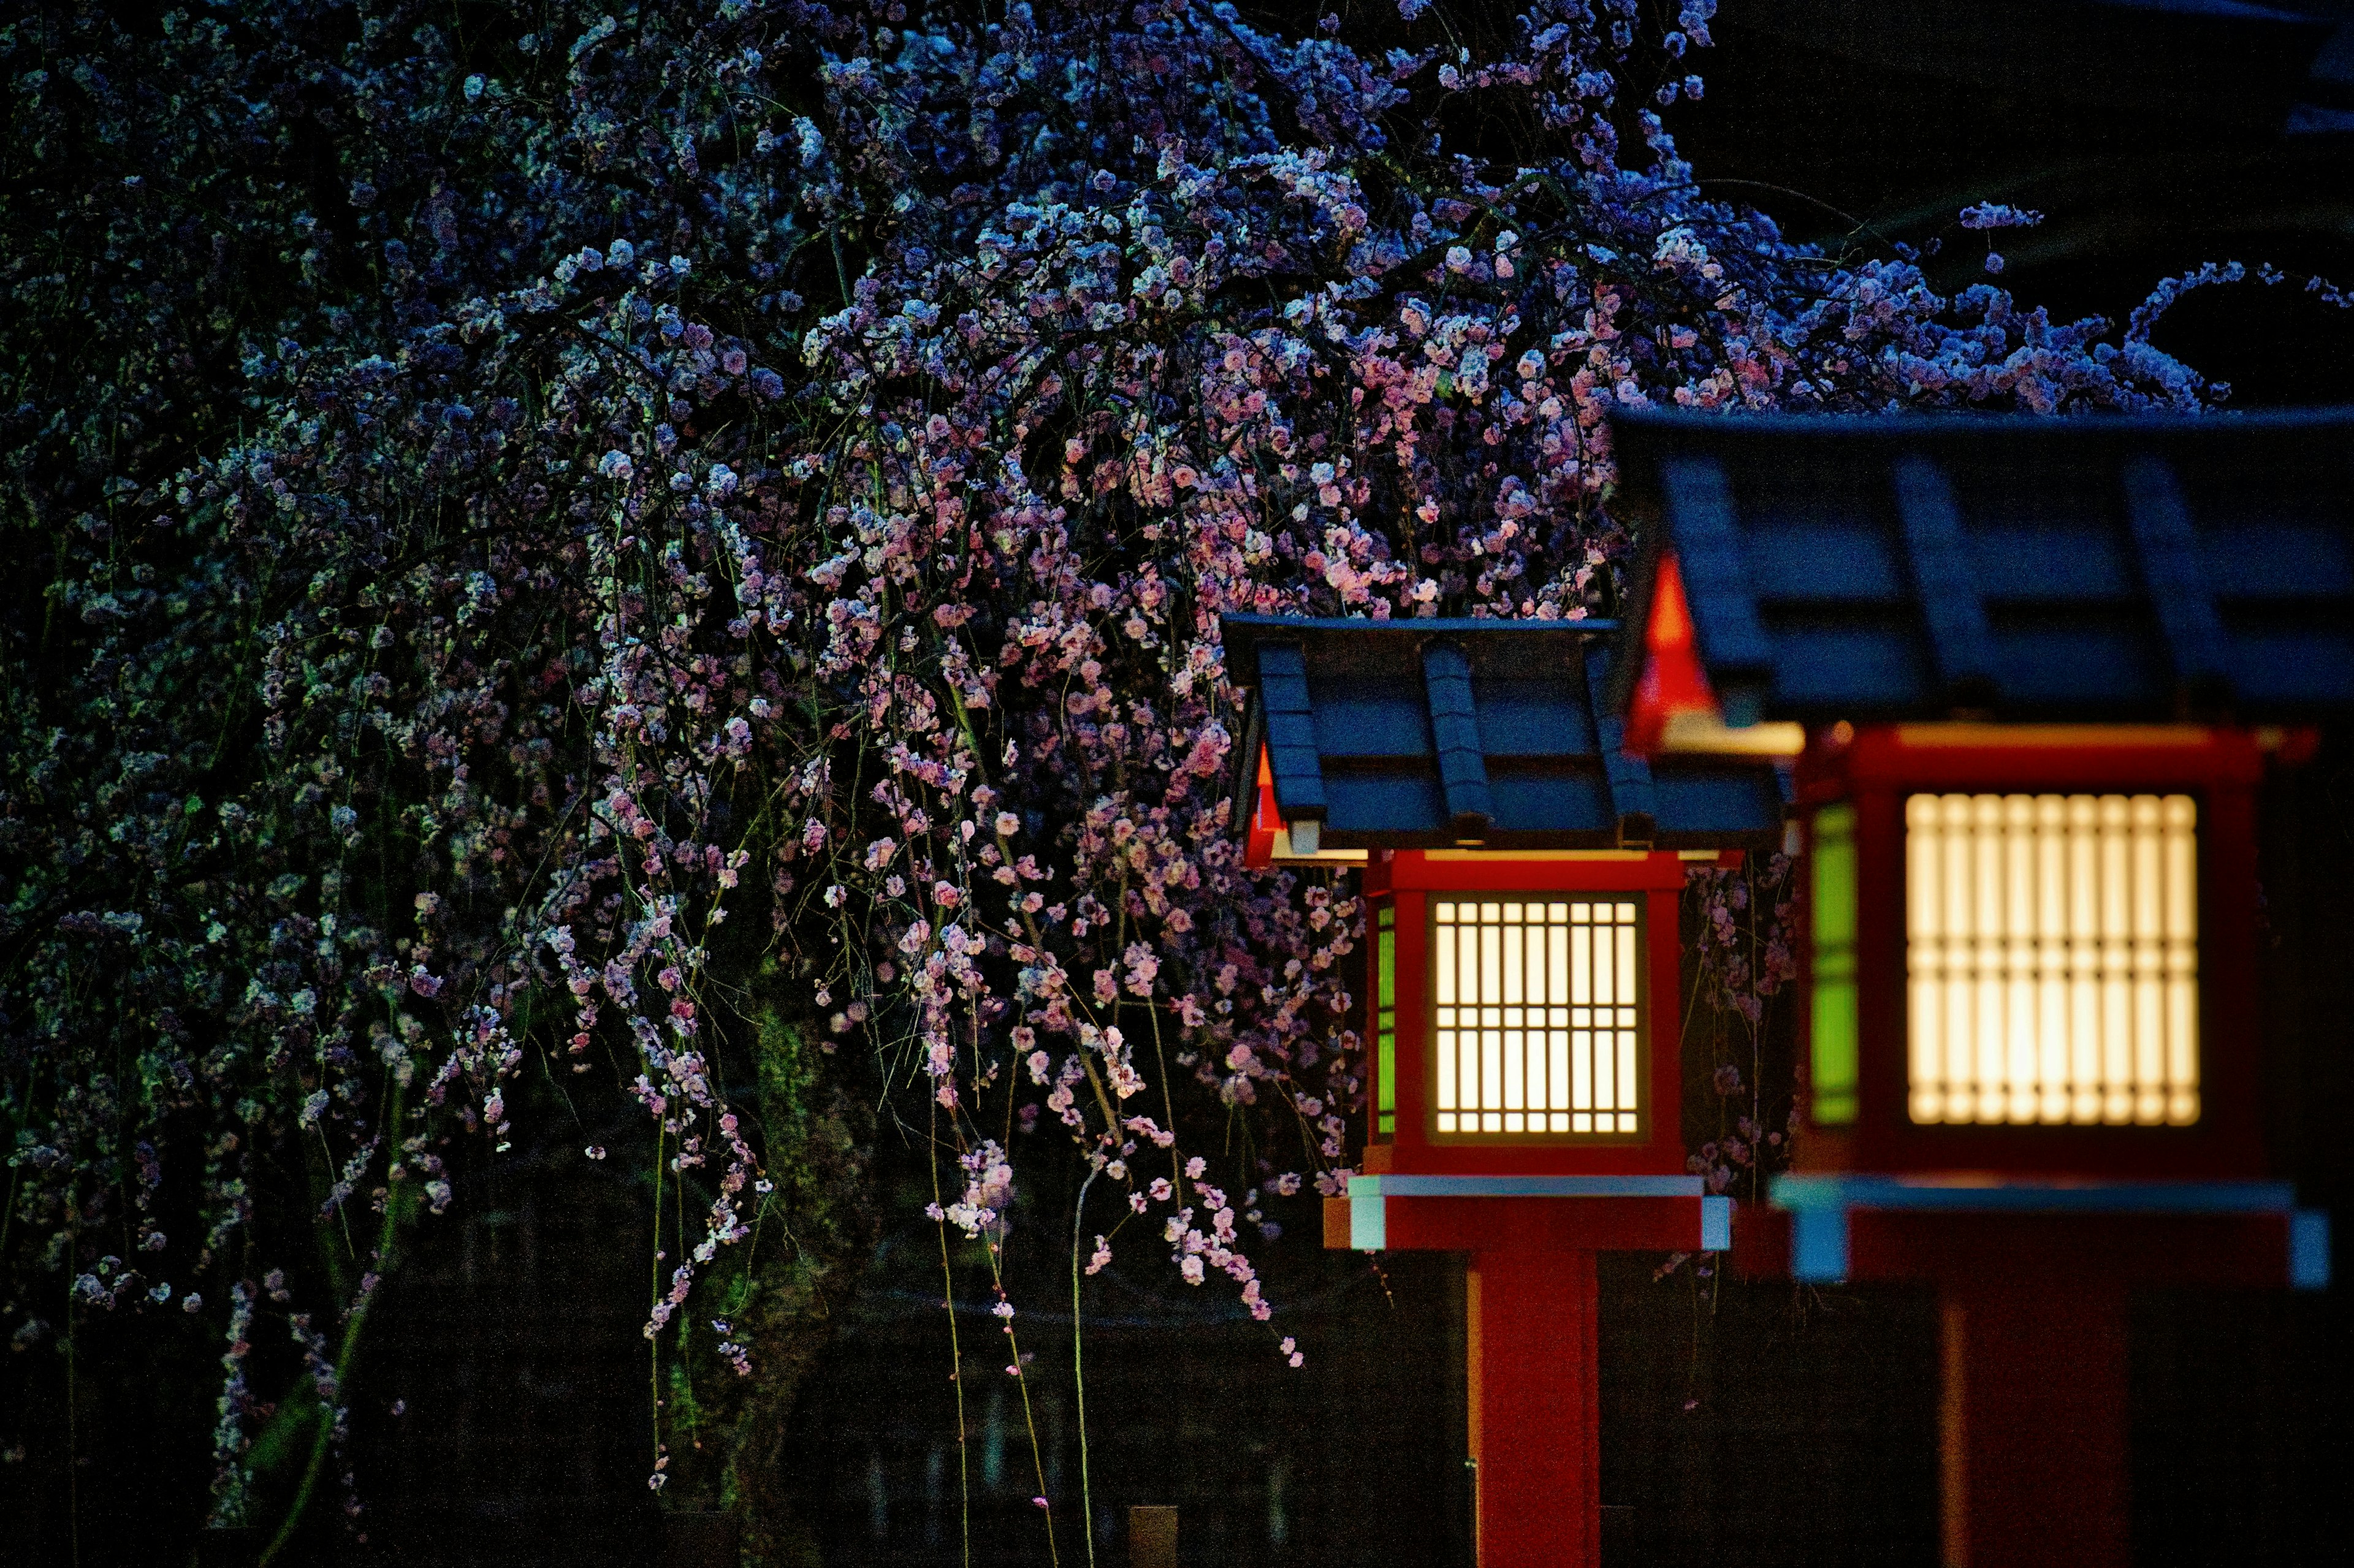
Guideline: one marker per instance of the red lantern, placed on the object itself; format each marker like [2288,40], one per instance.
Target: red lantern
[2030,662]
[1521,875]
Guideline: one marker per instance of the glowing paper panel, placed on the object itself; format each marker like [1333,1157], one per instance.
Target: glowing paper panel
[1538,1013]
[2053,958]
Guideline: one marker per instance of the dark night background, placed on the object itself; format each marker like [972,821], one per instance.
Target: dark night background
[1749,1423]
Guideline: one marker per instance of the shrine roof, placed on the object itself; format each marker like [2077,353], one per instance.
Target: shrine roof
[2004,567]
[1427,734]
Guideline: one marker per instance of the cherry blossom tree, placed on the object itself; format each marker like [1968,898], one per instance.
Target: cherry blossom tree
[560,549]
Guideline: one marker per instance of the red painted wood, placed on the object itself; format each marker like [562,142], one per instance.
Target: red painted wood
[2138,1251]
[1761,1240]
[2035,1428]
[1407,877]
[2058,1253]
[1537,1414]
[1877,769]
[1424,1158]
[2033,1439]
[1377,1143]
[1542,1225]
[2086,756]
[1414,1087]
[1504,871]
[1662,1043]
[1881,996]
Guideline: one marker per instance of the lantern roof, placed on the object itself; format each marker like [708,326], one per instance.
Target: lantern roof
[1816,568]
[1427,732]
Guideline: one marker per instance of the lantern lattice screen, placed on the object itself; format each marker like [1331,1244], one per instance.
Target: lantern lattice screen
[1537,1016]
[2054,958]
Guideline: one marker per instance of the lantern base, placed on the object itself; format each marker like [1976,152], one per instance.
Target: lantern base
[2031,1279]
[1485,1213]
[1959,1227]
[1530,1302]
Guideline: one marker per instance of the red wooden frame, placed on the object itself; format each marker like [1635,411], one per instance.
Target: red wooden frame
[1875,769]
[1407,878]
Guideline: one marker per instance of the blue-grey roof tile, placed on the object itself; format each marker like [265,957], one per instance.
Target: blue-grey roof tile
[1426,734]
[2012,568]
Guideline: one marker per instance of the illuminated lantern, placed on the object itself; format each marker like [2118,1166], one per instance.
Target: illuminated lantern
[2029,665]
[1521,875]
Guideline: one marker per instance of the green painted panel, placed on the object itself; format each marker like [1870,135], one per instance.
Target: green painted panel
[1836,1026]
[1385,1019]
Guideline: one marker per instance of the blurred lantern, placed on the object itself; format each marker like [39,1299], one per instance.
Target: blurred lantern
[2021,659]
[1523,876]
